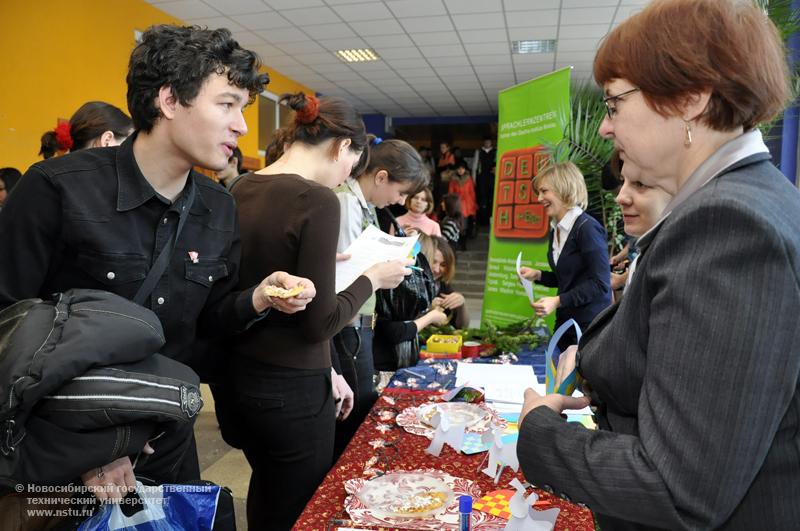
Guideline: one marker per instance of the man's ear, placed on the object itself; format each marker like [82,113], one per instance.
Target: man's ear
[166,102]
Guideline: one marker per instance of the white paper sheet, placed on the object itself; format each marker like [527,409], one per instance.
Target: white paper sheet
[371,247]
[505,385]
[527,284]
[502,383]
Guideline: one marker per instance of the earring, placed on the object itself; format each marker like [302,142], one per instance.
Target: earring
[687,141]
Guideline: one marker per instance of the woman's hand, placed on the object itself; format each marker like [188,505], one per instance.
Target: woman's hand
[298,303]
[111,482]
[556,402]
[342,395]
[618,280]
[437,317]
[546,305]
[388,275]
[451,301]
[433,317]
[530,274]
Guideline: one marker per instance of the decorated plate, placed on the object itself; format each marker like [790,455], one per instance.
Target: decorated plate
[455,412]
[418,499]
[477,417]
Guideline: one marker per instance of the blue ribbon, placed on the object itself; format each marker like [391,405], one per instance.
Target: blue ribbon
[568,385]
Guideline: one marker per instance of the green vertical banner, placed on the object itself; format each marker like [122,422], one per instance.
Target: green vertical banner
[530,115]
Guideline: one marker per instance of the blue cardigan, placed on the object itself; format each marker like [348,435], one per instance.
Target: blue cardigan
[583,274]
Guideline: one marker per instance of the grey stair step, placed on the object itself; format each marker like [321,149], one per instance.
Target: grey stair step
[471,275]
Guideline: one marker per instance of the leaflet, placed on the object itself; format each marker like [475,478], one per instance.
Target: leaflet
[371,247]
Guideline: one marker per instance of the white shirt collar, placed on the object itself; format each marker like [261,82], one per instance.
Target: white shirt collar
[568,220]
[354,186]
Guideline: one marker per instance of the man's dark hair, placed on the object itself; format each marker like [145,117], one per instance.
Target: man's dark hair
[182,58]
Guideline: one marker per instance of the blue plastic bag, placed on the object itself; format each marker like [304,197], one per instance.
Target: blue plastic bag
[166,508]
[569,384]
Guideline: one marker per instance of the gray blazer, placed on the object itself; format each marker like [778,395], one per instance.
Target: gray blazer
[695,372]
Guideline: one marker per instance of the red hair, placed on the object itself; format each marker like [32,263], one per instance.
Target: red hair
[674,49]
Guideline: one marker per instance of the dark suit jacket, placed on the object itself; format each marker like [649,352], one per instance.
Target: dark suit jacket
[695,372]
[582,275]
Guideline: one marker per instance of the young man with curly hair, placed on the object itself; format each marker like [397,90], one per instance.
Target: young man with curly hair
[104,215]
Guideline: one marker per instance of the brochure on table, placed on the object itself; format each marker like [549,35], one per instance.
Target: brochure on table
[505,385]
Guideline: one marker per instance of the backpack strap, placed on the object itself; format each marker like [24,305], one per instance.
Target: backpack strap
[161,263]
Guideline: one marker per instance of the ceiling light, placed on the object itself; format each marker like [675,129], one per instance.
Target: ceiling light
[537,46]
[359,55]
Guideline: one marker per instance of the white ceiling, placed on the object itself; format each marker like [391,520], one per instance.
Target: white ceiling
[438,57]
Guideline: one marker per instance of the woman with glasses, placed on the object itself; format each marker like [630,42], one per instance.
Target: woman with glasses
[694,374]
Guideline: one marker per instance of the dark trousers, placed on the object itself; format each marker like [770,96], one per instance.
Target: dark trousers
[287,437]
[354,350]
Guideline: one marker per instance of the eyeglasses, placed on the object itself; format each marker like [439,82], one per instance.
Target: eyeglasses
[611,101]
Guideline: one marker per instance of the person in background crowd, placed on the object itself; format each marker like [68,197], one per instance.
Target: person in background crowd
[395,170]
[695,375]
[403,312]
[443,267]
[427,159]
[452,224]
[462,185]
[230,174]
[577,252]
[102,216]
[445,163]
[8,179]
[56,142]
[419,206]
[483,168]
[288,396]
[94,124]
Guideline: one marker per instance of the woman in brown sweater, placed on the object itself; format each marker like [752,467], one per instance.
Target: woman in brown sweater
[289,215]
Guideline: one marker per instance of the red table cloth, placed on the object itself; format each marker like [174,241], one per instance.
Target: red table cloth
[380,445]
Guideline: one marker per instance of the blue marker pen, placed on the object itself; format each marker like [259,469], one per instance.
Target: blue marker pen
[415,268]
[465,513]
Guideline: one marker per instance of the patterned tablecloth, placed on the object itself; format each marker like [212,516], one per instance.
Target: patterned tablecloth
[380,445]
[438,375]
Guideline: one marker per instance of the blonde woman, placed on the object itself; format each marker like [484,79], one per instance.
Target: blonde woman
[577,251]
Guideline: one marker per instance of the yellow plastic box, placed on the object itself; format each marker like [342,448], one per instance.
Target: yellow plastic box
[444,343]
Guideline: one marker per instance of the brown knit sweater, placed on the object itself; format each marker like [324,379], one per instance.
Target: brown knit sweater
[291,224]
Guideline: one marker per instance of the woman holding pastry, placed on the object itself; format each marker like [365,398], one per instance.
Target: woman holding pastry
[282,372]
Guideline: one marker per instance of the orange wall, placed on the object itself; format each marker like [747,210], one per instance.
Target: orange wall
[58,54]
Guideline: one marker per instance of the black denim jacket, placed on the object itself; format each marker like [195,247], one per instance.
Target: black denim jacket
[91,220]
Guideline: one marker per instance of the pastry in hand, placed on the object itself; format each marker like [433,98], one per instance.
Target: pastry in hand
[283,293]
